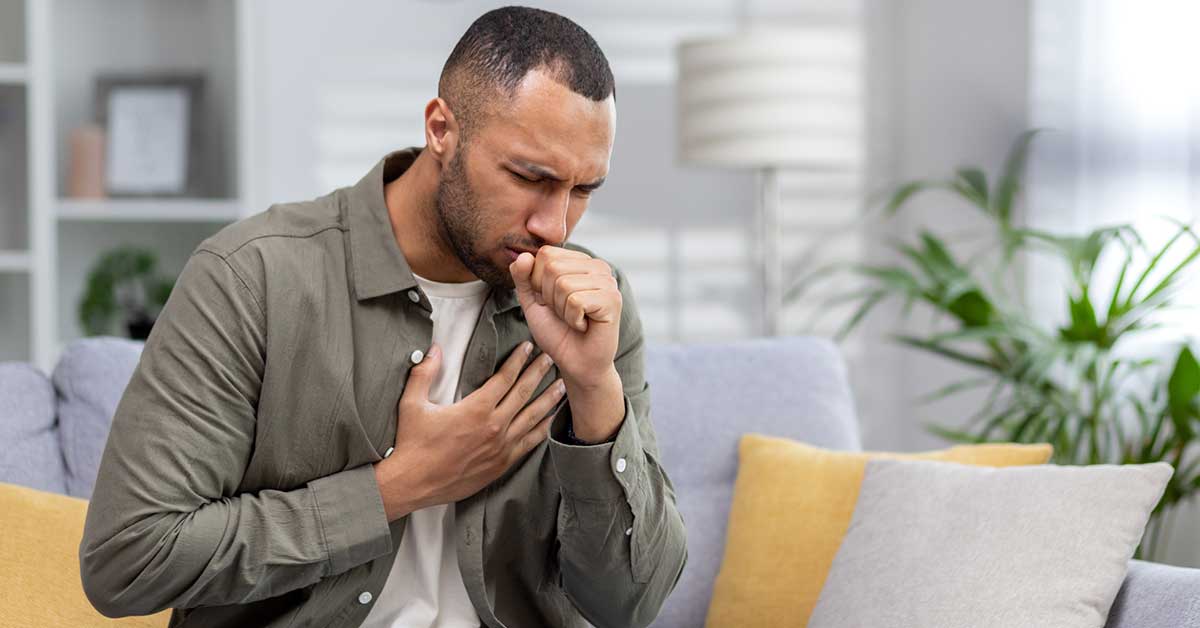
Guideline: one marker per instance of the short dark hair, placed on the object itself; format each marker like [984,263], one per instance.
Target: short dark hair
[505,44]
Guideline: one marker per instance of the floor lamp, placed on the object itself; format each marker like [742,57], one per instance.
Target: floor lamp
[769,99]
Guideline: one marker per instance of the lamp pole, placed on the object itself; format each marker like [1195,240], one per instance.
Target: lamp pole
[770,258]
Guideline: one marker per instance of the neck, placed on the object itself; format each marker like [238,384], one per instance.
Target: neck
[412,209]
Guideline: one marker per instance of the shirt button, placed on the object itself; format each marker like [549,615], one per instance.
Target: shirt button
[620,465]
[388,452]
[413,296]
[417,356]
[628,531]
[364,597]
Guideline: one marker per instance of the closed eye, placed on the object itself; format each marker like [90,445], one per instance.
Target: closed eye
[518,176]
[582,190]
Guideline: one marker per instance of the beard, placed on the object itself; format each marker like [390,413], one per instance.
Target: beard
[461,224]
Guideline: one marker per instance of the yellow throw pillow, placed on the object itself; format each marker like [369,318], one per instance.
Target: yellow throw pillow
[792,504]
[39,549]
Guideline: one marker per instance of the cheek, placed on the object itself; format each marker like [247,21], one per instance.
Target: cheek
[575,212]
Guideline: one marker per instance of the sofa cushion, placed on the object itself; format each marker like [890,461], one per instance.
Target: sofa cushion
[40,583]
[941,545]
[792,504]
[90,378]
[30,455]
[703,398]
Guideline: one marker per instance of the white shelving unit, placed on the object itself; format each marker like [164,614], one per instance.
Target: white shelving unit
[51,52]
[14,262]
[16,259]
[13,73]
[158,210]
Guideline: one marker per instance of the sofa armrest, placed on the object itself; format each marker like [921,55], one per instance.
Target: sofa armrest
[1156,595]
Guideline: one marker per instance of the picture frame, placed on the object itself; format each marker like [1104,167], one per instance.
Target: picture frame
[152,130]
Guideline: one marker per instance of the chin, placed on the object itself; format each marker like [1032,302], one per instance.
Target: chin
[502,279]
[495,272]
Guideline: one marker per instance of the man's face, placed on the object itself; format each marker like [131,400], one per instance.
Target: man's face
[524,179]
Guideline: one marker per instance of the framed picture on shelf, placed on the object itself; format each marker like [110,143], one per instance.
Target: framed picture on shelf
[152,127]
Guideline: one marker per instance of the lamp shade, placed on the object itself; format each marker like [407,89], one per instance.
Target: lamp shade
[772,98]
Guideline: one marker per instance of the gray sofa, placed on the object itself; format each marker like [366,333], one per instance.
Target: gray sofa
[705,397]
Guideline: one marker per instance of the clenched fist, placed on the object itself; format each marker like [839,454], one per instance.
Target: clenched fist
[573,308]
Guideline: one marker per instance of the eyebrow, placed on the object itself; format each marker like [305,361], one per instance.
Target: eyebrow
[546,173]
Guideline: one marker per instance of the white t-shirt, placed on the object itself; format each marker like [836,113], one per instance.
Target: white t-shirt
[425,587]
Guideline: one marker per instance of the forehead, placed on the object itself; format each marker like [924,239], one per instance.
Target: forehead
[547,124]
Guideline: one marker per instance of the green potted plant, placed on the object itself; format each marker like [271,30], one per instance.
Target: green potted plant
[1081,383]
[124,283]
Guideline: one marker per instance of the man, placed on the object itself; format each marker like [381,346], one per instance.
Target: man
[409,402]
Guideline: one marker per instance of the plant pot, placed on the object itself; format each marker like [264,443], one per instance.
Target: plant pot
[139,328]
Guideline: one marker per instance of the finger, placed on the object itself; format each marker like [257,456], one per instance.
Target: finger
[527,384]
[494,389]
[565,285]
[545,274]
[522,271]
[539,433]
[601,306]
[531,414]
[536,434]
[546,255]
[421,376]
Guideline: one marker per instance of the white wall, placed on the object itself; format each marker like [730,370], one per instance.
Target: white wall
[949,81]
[947,85]
[327,112]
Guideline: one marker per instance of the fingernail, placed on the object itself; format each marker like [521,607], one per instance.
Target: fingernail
[528,347]
[561,388]
[547,359]
[433,351]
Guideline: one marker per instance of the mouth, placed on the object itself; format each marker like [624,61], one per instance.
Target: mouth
[513,254]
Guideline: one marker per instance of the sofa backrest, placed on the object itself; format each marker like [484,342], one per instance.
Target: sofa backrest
[29,449]
[703,399]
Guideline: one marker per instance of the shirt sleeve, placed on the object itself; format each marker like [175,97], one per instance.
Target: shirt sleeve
[622,542]
[166,526]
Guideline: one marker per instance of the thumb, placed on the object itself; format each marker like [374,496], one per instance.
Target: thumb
[420,377]
[522,270]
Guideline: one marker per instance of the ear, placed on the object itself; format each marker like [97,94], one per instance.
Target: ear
[441,131]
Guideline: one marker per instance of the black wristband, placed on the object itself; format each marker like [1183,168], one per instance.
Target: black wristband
[571,439]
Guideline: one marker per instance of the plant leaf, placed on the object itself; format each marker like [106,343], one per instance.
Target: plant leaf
[954,388]
[863,309]
[972,185]
[907,191]
[1184,383]
[1010,180]
[946,352]
[952,434]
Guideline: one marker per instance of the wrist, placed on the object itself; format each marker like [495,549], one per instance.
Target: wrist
[397,499]
[597,406]
[592,386]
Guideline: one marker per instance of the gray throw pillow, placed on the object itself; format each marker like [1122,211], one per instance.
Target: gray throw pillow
[29,452]
[946,545]
[91,376]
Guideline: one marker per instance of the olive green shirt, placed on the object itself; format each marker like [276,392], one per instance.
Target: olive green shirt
[237,486]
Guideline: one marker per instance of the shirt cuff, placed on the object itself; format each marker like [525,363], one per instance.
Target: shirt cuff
[353,521]
[603,471]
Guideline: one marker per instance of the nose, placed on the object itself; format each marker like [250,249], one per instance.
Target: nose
[549,221]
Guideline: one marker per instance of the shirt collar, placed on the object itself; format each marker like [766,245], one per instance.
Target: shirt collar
[378,264]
